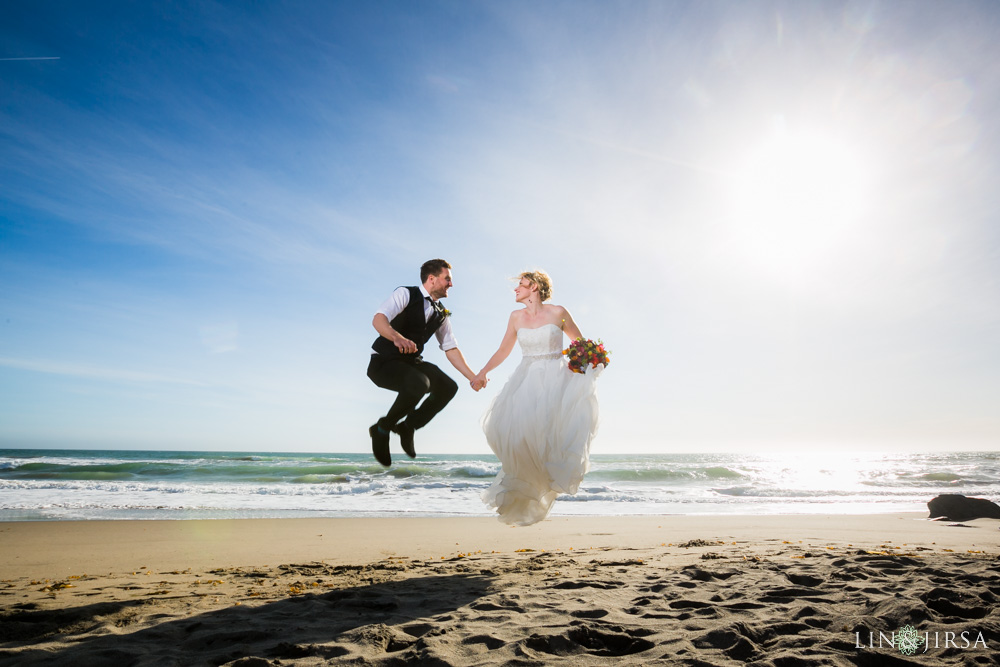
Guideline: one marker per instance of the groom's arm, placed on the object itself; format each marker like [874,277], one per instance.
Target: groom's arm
[457,360]
[382,326]
[386,313]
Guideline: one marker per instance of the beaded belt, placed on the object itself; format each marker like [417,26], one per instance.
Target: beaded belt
[547,355]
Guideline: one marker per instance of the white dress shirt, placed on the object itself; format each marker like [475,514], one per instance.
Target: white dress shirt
[400,299]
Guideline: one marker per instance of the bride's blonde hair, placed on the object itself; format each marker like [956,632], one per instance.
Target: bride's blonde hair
[541,280]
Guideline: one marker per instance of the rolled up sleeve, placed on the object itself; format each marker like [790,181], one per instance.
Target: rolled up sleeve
[445,336]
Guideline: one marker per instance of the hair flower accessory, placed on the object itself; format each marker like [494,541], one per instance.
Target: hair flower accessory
[585,352]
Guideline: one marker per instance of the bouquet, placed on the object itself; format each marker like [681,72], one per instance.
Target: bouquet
[583,352]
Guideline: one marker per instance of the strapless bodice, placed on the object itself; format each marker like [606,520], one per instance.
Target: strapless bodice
[541,342]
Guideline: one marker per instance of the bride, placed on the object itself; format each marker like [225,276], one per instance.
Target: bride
[541,423]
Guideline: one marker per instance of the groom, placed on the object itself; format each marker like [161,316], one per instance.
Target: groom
[405,322]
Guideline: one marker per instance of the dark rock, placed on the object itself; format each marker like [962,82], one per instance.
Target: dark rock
[955,507]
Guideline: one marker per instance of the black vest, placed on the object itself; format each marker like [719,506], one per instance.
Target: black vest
[411,324]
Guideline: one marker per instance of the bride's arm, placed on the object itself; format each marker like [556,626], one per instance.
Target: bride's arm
[569,326]
[506,345]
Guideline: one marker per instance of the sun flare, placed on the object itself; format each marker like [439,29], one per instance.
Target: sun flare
[798,199]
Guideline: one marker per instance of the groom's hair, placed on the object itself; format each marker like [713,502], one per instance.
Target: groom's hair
[432,267]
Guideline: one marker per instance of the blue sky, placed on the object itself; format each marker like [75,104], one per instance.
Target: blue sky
[781,216]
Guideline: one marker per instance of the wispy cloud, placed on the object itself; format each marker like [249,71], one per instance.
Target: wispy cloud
[141,185]
[93,372]
[221,337]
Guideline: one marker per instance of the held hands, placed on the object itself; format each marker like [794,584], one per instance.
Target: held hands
[479,382]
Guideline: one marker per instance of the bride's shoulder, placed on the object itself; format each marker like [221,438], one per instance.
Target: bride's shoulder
[558,315]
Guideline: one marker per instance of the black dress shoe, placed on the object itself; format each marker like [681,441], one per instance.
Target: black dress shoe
[405,432]
[380,445]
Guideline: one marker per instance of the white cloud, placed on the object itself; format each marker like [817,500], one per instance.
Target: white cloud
[93,372]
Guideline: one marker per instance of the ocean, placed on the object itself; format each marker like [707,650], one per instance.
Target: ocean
[82,484]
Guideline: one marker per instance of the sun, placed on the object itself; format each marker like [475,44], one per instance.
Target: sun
[797,200]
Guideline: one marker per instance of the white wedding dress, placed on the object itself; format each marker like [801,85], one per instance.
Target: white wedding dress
[540,426]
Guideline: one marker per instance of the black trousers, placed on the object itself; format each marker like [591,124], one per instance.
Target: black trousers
[412,379]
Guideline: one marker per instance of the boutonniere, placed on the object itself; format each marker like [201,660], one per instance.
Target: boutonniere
[445,312]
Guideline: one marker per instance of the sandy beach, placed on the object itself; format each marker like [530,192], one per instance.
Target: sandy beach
[685,590]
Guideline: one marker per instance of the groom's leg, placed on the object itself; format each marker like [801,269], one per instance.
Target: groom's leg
[442,390]
[402,377]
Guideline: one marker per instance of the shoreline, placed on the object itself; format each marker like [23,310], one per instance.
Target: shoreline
[125,485]
[692,590]
[53,548]
[165,514]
